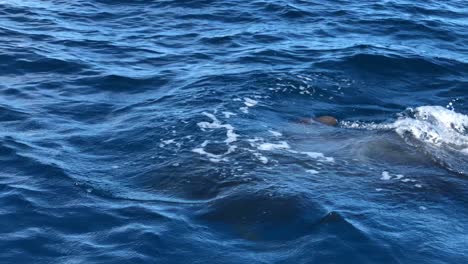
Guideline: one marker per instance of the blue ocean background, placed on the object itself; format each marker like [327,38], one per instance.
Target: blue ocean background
[183,131]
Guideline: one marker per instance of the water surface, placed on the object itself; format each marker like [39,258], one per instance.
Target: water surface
[167,131]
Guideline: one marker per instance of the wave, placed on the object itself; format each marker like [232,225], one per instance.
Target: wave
[122,83]
[385,63]
[439,132]
[8,113]
[39,64]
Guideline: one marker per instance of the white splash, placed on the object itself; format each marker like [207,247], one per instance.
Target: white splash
[436,125]
[433,125]
[441,132]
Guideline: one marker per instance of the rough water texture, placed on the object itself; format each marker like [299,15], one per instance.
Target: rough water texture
[167,131]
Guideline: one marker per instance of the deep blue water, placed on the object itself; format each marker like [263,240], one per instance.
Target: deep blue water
[171,132]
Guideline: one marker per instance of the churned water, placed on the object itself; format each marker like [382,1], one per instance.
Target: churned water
[170,131]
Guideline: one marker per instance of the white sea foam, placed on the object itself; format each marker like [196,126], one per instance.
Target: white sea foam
[169,142]
[312,171]
[230,134]
[228,114]
[213,157]
[319,156]
[275,133]
[259,144]
[272,146]
[250,102]
[231,137]
[399,176]
[201,150]
[261,158]
[385,176]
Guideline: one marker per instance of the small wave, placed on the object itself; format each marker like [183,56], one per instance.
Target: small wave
[287,11]
[8,113]
[122,83]
[384,63]
[39,64]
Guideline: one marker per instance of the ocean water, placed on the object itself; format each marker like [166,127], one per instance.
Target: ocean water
[172,131]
